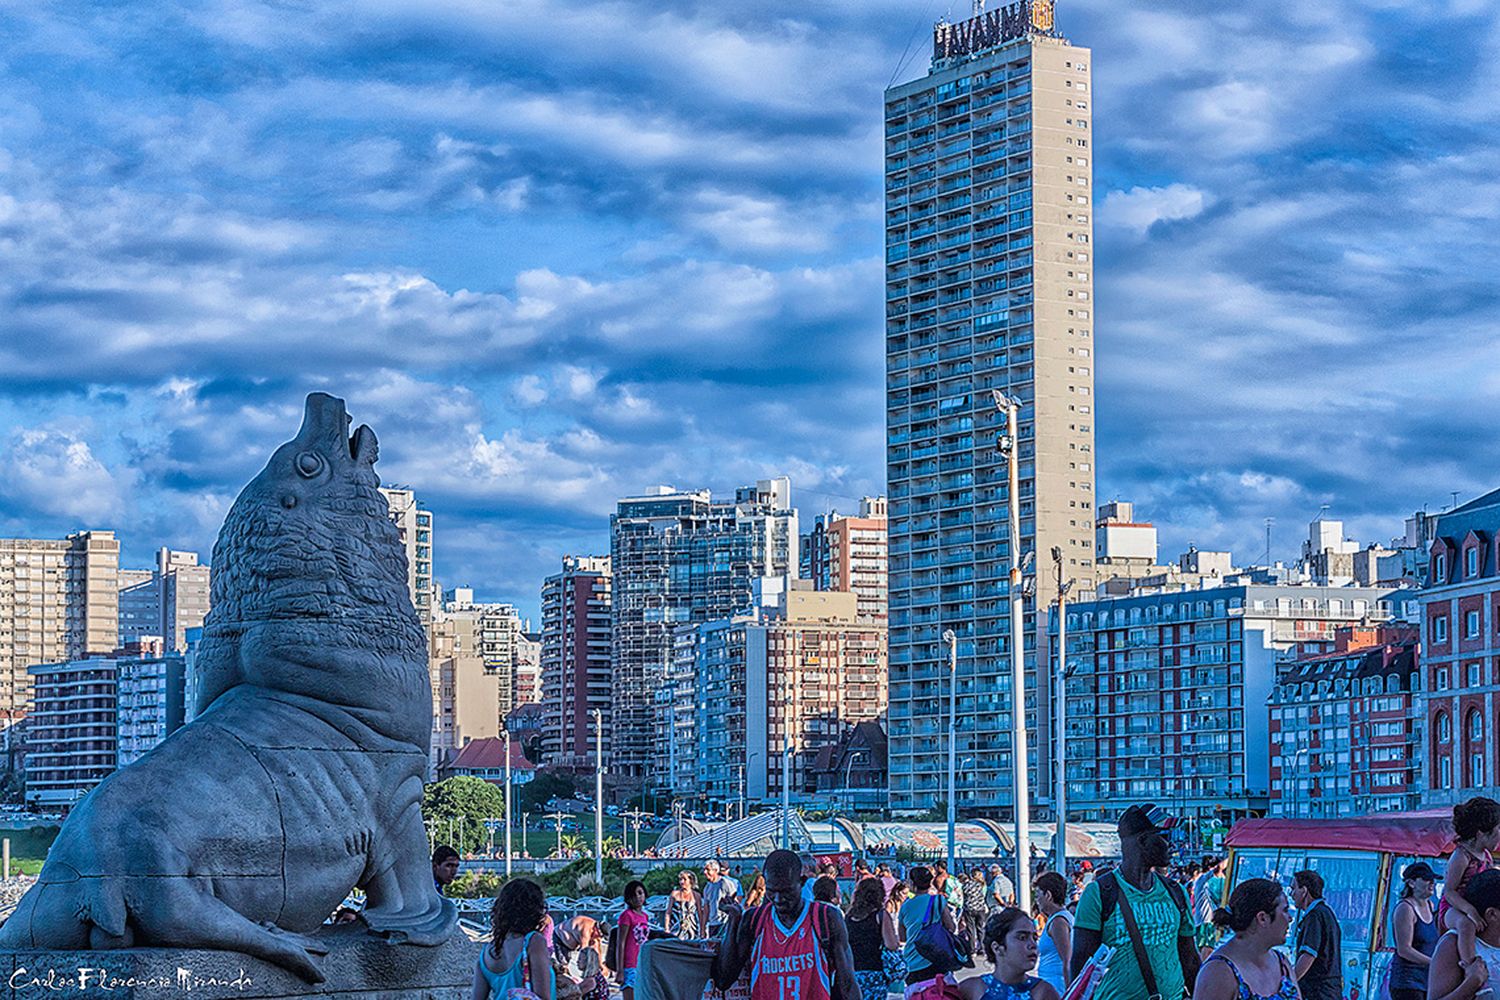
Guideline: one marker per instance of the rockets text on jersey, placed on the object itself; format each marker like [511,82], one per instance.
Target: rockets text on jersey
[789,963]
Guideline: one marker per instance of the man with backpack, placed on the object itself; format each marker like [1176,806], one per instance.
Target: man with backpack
[1142,916]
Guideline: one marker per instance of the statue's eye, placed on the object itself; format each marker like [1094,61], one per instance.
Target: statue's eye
[309,464]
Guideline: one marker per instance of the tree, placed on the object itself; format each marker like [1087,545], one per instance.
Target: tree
[455,811]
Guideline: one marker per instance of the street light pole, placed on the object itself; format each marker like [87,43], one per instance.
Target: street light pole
[1060,738]
[507,803]
[598,796]
[786,764]
[525,818]
[1021,783]
[951,638]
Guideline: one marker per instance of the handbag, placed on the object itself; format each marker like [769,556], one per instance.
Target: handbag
[943,950]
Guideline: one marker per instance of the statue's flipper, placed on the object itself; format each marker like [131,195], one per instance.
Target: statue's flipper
[406,912]
[190,917]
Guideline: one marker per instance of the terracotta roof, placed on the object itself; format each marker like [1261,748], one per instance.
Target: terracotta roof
[488,752]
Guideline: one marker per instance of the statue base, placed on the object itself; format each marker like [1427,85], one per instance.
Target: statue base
[358,965]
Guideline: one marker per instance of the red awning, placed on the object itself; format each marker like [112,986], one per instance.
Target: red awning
[1423,835]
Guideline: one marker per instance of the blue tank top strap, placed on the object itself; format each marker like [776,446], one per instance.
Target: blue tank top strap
[501,982]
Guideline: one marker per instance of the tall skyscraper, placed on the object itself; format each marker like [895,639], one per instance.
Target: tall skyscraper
[575,659]
[988,286]
[681,558]
[415,525]
[59,600]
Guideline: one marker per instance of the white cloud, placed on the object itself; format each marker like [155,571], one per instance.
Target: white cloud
[1140,208]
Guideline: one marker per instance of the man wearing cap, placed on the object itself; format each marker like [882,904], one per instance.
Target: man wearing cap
[1002,892]
[1155,958]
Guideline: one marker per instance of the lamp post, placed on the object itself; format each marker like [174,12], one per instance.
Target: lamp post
[558,817]
[507,803]
[786,758]
[951,638]
[598,796]
[1009,443]
[848,768]
[525,818]
[1060,738]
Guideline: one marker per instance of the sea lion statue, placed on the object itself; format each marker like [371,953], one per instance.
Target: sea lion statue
[301,776]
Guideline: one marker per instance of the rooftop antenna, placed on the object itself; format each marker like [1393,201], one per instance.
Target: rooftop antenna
[1269,521]
[1322,511]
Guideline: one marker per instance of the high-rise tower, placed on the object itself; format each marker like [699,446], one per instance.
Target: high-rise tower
[989,266]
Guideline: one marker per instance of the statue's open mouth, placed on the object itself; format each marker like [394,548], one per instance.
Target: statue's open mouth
[363,446]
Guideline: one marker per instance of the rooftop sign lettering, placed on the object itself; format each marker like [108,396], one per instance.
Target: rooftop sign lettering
[991,28]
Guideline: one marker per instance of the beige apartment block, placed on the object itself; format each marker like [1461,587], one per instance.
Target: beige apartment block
[989,286]
[58,601]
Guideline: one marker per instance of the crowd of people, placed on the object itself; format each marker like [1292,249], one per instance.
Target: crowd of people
[793,936]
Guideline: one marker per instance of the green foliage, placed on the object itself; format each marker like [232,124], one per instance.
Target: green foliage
[660,881]
[476,885]
[577,879]
[460,805]
[545,786]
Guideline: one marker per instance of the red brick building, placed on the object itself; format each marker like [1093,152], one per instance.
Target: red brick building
[1461,653]
[1345,726]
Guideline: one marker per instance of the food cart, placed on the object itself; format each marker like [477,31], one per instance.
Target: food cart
[1360,859]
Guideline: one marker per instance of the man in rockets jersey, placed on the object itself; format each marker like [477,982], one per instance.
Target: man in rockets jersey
[793,949]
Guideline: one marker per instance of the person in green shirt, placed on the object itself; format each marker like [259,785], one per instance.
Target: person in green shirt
[1160,909]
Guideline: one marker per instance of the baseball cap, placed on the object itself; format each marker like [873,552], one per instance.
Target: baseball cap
[1145,819]
[1419,869]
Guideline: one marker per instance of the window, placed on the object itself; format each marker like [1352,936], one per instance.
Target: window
[1474,671]
[1444,728]
[1445,772]
[1471,623]
[1439,567]
[1476,770]
[1476,727]
[1471,563]
[1440,628]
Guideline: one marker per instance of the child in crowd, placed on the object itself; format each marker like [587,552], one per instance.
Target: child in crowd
[634,930]
[1476,832]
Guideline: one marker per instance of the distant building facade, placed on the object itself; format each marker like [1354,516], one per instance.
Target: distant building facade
[94,715]
[165,601]
[1168,690]
[849,553]
[681,558]
[414,523]
[575,659]
[59,600]
[794,675]
[1461,653]
[1346,727]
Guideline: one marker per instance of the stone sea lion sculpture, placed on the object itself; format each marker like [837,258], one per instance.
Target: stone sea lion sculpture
[301,777]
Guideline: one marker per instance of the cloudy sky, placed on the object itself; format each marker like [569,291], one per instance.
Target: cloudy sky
[557,252]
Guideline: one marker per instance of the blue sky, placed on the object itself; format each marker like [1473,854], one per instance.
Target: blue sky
[556,253]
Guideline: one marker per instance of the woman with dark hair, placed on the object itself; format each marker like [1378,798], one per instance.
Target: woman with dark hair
[926,906]
[757,892]
[1247,966]
[517,957]
[685,907]
[1009,943]
[872,933]
[1056,945]
[1414,932]
[1451,978]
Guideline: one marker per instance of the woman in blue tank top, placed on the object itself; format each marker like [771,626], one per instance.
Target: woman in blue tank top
[518,956]
[1414,932]
[1011,946]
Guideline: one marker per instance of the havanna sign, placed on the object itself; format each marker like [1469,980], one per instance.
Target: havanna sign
[991,28]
